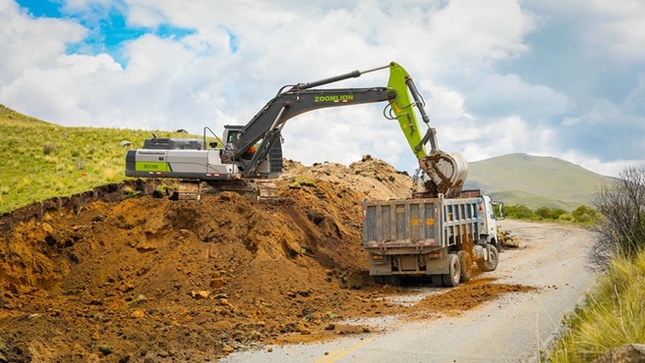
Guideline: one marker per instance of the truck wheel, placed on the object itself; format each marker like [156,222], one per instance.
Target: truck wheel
[493,260]
[451,279]
[466,263]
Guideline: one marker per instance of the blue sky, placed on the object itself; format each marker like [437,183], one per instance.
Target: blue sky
[544,77]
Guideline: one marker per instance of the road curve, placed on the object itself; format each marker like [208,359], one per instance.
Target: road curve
[513,328]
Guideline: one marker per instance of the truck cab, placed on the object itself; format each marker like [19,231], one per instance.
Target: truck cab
[490,218]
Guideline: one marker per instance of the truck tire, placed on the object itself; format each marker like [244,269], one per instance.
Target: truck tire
[466,263]
[451,279]
[493,260]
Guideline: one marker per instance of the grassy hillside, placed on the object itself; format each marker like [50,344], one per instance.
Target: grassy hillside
[535,181]
[41,160]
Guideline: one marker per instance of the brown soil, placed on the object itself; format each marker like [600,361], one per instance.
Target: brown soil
[149,279]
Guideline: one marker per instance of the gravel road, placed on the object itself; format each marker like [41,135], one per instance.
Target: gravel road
[513,328]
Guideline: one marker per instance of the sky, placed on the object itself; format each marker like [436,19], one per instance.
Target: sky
[544,77]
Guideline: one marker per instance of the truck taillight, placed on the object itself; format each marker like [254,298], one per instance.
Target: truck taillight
[378,257]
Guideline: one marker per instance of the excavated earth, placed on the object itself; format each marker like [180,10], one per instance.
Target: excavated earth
[150,279]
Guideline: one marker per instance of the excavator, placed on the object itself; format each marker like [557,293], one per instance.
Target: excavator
[253,152]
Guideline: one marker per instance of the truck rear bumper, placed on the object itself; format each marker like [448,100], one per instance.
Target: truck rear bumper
[404,262]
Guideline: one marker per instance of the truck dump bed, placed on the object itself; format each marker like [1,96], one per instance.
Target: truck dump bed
[403,235]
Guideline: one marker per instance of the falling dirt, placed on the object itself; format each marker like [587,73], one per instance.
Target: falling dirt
[148,279]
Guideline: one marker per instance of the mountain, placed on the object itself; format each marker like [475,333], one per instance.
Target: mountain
[535,181]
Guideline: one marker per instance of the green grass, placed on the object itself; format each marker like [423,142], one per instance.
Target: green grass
[41,160]
[614,314]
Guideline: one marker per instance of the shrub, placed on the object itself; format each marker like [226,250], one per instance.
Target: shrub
[584,215]
[548,213]
[621,230]
[49,149]
[519,212]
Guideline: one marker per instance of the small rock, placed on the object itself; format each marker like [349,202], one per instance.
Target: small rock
[125,287]
[217,283]
[202,294]
[224,302]
[228,349]
[628,353]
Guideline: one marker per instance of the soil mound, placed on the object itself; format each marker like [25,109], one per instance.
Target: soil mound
[154,278]
[146,278]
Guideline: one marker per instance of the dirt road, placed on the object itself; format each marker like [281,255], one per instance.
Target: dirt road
[515,327]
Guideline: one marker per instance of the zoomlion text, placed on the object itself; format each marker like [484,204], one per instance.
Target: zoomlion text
[334,98]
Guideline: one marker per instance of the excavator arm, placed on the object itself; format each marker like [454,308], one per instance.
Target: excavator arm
[447,171]
[240,159]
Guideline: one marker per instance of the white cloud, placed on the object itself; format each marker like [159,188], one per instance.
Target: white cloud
[492,30]
[509,94]
[612,168]
[503,136]
[620,29]
[29,42]
[240,53]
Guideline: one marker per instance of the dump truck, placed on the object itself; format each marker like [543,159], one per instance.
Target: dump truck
[442,238]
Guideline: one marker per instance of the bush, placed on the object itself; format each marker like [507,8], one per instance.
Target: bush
[540,214]
[584,215]
[519,212]
[49,149]
[621,230]
[548,213]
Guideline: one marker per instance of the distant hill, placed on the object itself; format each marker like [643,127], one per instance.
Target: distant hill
[535,181]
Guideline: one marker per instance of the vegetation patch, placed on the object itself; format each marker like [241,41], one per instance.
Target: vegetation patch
[614,313]
[583,215]
[299,182]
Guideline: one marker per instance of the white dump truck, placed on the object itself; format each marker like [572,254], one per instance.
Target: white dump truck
[438,237]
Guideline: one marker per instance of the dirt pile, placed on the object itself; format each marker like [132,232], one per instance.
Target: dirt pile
[149,279]
[508,240]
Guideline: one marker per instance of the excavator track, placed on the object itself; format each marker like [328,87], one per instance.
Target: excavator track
[259,189]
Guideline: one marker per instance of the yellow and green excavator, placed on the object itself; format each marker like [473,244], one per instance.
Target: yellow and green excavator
[253,152]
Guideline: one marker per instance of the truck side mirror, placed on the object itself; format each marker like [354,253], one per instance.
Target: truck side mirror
[500,206]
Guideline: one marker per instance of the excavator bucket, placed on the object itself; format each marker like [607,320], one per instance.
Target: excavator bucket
[447,171]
